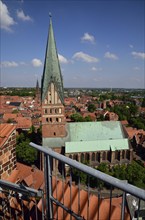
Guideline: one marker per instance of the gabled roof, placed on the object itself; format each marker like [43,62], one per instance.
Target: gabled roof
[51,71]
[5,131]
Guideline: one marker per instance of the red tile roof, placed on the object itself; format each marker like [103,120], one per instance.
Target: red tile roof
[24,123]
[32,176]
[69,196]
[86,208]
[5,131]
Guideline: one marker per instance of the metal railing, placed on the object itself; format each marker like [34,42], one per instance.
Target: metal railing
[65,162]
[61,200]
[19,202]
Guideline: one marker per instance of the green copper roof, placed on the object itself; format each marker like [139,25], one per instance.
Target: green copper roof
[91,136]
[92,131]
[51,71]
[98,145]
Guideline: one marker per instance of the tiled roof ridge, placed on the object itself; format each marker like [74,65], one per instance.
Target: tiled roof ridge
[5,131]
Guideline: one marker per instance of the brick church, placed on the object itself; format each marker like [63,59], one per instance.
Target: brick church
[95,142]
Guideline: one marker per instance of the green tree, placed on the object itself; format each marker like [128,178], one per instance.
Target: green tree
[119,171]
[143,103]
[25,153]
[10,120]
[87,118]
[76,117]
[91,107]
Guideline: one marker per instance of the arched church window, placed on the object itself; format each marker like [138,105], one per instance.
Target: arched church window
[75,157]
[109,156]
[70,156]
[82,157]
[87,157]
[123,154]
[117,155]
[56,110]
[60,120]
[98,156]
[128,154]
[60,110]
[104,155]
[93,156]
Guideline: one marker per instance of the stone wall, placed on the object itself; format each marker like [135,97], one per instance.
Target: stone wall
[8,156]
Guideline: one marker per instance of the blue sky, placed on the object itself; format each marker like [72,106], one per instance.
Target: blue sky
[100,43]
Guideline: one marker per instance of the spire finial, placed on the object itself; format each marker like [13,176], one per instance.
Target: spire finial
[50,15]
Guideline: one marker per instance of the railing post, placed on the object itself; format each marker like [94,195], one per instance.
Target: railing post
[48,186]
[123,205]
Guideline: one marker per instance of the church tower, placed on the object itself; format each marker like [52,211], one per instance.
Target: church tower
[52,95]
[37,93]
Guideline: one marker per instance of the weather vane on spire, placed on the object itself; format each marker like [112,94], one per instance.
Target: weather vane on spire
[50,15]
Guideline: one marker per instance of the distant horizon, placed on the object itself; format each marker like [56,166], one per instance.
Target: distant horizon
[100,44]
[108,88]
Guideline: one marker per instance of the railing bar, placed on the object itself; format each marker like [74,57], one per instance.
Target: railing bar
[79,208]
[43,214]
[18,188]
[16,215]
[88,190]
[3,204]
[123,205]
[138,211]
[110,202]
[56,181]
[46,184]
[10,207]
[71,191]
[63,186]
[95,173]
[28,210]
[36,210]
[67,209]
[98,204]
[22,207]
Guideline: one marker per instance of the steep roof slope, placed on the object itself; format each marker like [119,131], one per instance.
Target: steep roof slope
[51,71]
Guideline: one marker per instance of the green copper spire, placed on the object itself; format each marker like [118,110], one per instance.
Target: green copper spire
[51,71]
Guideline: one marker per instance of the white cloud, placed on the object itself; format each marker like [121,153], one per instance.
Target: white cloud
[22,16]
[9,64]
[85,57]
[62,59]
[136,68]
[96,69]
[6,20]
[36,62]
[111,56]
[22,63]
[88,37]
[131,46]
[139,55]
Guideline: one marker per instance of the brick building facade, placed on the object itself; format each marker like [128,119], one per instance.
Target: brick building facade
[109,157]
[7,150]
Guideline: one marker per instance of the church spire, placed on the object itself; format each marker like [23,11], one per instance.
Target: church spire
[51,71]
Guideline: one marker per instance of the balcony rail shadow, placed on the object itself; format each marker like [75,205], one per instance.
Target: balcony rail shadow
[61,199]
